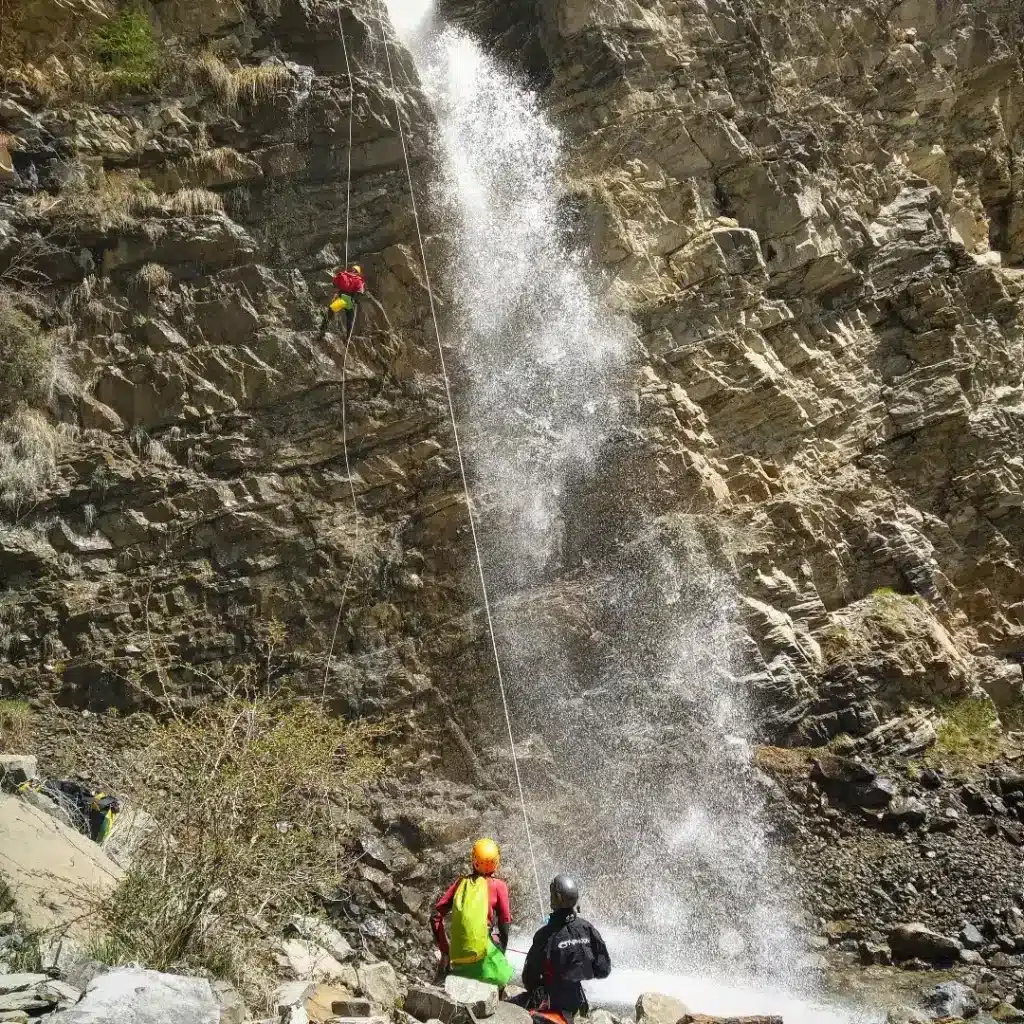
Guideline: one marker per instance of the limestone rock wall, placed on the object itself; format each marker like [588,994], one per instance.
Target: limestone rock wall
[181,518]
[813,214]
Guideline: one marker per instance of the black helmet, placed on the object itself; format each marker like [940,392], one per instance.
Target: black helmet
[565,894]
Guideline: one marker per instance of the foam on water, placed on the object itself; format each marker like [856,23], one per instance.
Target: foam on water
[702,994]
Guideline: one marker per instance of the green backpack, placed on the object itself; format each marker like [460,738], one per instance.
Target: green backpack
[470,928]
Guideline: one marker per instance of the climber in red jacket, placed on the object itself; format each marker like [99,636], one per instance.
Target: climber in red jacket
[350,284]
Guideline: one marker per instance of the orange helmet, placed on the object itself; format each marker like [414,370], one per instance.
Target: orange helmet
[486,856]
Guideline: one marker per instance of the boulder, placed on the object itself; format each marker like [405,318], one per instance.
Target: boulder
[315,930]
[1006,1013]
[908,941]
[427,1002]
[82,972]
[970,937]
[229,999]
[851,782]
[1002,680]
[25,1002]
[54,874]
[374,853]
[702,1018]
[509,1013]
[291,993]
[480,998]
[905,814]
[873,953]
[16,769]
[62,995]
[951,999]
[129,995]
[309,962]
[659,1009]
[906,1015]
[350,1006]
[379,983]
[328,1002]
[20,982]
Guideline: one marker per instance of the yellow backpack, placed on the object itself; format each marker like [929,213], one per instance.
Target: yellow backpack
[470,932]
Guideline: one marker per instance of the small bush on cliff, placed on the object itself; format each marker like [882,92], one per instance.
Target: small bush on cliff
[127,51]
[248,794]
[26,354]
[29,446]
[15,726]
[968,733]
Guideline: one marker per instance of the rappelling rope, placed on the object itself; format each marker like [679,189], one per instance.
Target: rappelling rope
[344,371]
[351,114]
[462,464]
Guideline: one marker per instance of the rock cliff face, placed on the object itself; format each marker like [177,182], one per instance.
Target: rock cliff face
[185,511]
[814,216]
[812,212]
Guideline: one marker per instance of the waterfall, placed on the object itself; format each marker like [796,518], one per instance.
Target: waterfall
[616,629]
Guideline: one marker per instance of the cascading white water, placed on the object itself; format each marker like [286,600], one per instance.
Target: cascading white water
[616,631]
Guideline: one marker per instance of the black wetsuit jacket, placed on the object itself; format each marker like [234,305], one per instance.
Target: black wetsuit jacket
[567,951]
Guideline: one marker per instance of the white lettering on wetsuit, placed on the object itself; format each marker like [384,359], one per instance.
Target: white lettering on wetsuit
[573,942]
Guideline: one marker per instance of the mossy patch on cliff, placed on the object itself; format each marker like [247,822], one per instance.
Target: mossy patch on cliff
[127,51]
[968,733]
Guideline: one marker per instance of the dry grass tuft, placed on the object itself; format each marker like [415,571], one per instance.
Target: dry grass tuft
[221,161]
[99,200]
[261,82]
[29,447]
[251,85]
[15,726]
[153,277]
[193,202]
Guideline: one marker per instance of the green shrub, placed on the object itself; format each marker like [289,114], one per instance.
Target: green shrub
[15,727]
[248,794]
[26,354]
[968,733]
[127,51]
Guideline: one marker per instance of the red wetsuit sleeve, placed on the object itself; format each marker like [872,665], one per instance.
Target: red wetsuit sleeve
[441,909]
[502,906]
[349,283]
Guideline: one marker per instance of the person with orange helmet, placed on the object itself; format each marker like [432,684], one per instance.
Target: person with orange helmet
[481,916]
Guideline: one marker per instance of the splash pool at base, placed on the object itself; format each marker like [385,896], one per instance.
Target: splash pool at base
[717,997]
